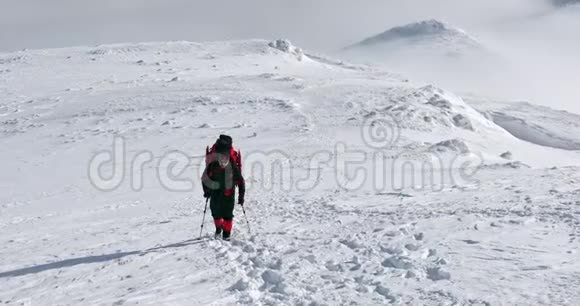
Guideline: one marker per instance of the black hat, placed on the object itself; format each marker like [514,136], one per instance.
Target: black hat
[222,146]
[227,139]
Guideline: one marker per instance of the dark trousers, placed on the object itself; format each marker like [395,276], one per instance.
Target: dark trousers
[222,207]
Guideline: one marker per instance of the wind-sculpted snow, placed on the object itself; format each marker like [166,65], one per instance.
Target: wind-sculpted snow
[453,145]
[536,124]
[362,187]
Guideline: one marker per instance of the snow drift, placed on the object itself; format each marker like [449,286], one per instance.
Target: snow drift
[536,124]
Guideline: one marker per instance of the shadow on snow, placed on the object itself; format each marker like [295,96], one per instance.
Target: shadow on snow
[93,259]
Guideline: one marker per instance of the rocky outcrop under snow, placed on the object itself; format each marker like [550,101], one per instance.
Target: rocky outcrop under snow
[286,46]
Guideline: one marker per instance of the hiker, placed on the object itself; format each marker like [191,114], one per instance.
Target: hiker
[221,176]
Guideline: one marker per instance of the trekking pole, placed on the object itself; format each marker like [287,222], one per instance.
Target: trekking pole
[203,220]
[247,222]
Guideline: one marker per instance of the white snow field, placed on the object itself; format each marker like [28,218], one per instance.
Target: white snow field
[363,188]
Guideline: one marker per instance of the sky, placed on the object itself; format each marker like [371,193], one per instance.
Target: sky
[318,24]
[538,38]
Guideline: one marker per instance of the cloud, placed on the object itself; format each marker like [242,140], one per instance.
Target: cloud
[321,24]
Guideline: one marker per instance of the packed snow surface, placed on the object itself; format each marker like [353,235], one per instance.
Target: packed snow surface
[101,204]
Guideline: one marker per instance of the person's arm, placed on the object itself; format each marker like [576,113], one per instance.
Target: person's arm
[206,181]
[239,179]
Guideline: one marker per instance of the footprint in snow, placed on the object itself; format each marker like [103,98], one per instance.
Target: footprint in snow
[412,247]
[429,253]
[241,285]
[437,274]
[398,262]
[536,268]
[271,278]
[469,241]
[352,244]
[391,250]
[276,265]
[258,262]
[392,233]
[385,292]
[333,266]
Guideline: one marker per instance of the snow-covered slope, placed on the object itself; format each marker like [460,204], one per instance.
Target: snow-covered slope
[537,124]
[363,187]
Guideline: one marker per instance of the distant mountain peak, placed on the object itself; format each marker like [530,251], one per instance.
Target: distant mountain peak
[428,36]
[427,29]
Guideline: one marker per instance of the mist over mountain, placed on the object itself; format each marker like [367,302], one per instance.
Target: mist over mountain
[565,2]
[430,51]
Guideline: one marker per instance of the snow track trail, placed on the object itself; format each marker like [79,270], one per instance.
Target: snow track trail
[398,251]
[495,229]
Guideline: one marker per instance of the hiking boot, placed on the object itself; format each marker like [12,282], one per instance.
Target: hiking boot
[226,235]
[218,231]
